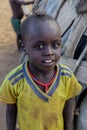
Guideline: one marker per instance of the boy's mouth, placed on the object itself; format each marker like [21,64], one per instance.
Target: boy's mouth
[48,62]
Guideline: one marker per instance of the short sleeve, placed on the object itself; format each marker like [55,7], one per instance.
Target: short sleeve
[73,87]
[7,93]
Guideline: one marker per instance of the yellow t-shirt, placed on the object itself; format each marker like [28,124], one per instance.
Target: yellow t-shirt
[38,110]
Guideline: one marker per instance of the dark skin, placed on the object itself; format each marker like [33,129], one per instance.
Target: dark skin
[43,46]
[17,13]
[69,114]
[46,48]
[16,7]
[11,116]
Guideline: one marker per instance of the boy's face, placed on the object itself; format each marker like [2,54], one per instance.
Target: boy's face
[43,45]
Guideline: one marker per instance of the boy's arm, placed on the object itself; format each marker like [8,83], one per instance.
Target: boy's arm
[11,115]
[68,114]
[23,2]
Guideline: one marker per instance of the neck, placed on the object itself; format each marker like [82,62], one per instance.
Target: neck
[44,85]
[42,76]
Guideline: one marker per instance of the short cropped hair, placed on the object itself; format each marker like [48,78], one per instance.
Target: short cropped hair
[34,19]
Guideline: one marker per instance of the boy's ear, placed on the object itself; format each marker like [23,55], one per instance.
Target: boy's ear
[25,50]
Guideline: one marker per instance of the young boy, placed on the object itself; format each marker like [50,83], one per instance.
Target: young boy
[40,91]
[17,16]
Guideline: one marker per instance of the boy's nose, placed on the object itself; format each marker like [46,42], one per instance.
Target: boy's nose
[48,51]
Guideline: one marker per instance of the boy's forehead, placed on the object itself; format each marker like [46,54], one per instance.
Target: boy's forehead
[42,31]
[43,26]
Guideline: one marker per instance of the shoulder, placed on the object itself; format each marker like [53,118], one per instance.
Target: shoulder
[15,75]
[72,86]
[65,70]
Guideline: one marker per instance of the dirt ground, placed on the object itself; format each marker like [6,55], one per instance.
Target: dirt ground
[9,54]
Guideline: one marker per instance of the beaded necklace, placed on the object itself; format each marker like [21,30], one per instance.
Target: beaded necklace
[46,85]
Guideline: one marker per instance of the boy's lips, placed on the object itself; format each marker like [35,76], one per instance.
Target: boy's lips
[48,62]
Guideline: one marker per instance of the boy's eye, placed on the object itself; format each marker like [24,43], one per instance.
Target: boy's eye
[55,45]
[39,46]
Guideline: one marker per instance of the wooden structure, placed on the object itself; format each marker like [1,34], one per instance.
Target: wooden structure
[81,72]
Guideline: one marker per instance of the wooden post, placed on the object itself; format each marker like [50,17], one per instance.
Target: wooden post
[80,59]
[77,30]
